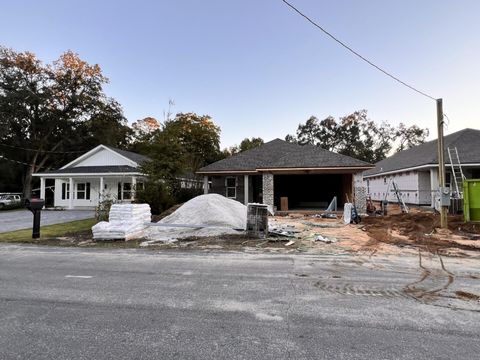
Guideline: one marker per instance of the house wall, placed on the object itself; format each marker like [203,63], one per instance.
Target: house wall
[218,186]
[110,191]
[414,186]
[424,188]
[104,157]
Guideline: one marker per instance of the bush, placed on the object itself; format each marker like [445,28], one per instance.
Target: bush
[185,194]
[157,195]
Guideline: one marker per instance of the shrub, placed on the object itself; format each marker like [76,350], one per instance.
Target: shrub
[157,195]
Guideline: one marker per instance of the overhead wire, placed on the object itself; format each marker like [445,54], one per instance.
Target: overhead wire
[43,151]
[356,53]
[11,160]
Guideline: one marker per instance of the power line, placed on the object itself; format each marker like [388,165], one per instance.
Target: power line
[43,151]
[15,161]
[356,53]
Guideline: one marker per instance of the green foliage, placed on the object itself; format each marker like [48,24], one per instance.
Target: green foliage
[102,210]
[245,144]
[157,194]
[357,136]
[52,108]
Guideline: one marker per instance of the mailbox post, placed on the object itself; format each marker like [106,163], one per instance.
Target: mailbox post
[35,206]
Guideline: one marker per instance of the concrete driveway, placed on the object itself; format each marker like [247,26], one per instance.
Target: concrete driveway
[22,219]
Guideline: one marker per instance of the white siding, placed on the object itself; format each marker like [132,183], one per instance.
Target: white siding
[104,157]
[424,188]
[380,187]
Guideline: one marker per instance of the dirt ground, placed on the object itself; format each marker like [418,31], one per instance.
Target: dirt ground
[394,234]
[391,235]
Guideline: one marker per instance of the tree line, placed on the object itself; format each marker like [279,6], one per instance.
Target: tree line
[52,113]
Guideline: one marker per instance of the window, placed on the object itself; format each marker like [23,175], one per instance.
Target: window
[231,185]
[83,191]
[385,180]
[65,191]
[124,191]
[127,191]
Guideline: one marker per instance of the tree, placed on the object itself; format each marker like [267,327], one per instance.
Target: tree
[357,136]
[408,137]
[179,147]
[50,109]
[245,144]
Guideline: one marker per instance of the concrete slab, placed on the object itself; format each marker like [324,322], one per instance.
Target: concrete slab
[22,219]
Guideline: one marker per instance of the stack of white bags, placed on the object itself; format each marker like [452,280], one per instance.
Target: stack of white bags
[126,221]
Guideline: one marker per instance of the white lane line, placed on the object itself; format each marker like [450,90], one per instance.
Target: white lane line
[79,276]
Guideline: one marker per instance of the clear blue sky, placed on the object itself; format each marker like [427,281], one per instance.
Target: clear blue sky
[258,68]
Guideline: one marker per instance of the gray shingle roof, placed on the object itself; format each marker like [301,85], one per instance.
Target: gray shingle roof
[138,158]
[281,154]
[467,142]
[95,169]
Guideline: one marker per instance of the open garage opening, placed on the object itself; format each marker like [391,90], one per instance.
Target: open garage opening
[311,191]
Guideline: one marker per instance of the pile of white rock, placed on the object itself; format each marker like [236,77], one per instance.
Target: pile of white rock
[126,222]
[203,216]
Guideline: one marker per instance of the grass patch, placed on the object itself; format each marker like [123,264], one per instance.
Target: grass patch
[74,233]
[76,230]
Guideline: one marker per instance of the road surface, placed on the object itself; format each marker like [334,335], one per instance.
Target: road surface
[71,303]
[11,220]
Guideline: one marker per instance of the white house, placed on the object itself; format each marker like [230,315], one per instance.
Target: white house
[102,173]
[415,170]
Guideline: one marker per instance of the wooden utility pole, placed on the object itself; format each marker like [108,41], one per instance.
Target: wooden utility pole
[441,164]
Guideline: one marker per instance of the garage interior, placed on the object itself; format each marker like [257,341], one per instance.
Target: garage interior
[311,191]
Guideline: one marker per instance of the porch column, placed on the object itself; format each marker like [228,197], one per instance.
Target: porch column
[100,192]
[245,189]
[71,193]
[42,188]
[205,184]
[134,187]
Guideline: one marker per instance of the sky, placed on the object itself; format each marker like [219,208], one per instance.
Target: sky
[259,69]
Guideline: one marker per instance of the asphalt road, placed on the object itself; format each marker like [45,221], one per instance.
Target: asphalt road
[70,303]
[11,220]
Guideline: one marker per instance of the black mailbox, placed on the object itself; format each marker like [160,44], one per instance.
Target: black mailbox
[35,206]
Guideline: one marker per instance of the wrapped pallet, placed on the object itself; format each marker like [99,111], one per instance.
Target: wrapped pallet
[126,222]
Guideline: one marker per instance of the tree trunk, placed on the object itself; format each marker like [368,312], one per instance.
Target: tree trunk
[27,183]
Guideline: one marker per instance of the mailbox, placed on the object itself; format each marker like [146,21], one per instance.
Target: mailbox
[35,206]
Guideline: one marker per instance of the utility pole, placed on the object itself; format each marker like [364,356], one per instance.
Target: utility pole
[441,165]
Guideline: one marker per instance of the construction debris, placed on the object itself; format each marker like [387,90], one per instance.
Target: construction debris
[325,239]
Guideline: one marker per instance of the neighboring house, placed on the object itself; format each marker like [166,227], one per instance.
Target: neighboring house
[102,173]
[415,170]
[307,175]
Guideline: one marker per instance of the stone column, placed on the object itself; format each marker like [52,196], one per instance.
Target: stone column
[268,190]
[245,189]
[360,192]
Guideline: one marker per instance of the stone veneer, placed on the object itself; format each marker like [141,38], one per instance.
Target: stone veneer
[268,190]
[360,193]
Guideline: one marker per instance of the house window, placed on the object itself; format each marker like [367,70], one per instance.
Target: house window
[124,191]
[231,185]
[83,191]
[65,191]
[385,180]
